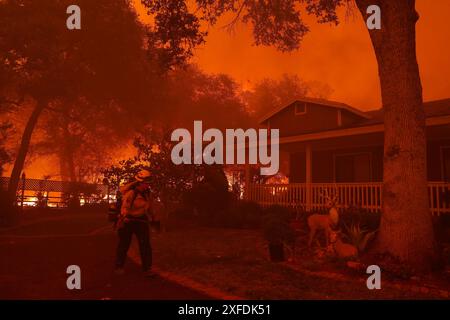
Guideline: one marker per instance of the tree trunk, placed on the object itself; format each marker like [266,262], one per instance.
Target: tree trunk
[406,230]
[23,150]
[66,155]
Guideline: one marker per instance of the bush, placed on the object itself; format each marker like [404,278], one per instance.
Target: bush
[369,221]
[358,236]
[242,214]
[209,199]
[101,207]
[276,225]
[9,213]
[207,202]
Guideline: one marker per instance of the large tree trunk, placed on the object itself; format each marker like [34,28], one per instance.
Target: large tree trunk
[406,230]
[23,150]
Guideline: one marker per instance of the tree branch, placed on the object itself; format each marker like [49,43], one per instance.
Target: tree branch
[229,26]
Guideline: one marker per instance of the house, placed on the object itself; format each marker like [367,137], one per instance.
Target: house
[331,145]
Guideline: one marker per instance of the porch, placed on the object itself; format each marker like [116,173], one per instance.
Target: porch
[366,196]
[348,162]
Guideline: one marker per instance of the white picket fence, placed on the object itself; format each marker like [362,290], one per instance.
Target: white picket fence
[367,196]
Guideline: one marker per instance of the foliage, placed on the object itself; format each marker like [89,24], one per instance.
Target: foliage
[202,189]
[42,199]
[278,23]
[242,214]
[169,181]
[54,69]
[276,225]
[268,93]
[9,212]
[5,157]
[174,34]
[358,237]
[74,191]
[50,62]
[209,197]
[367,220]
[192,94]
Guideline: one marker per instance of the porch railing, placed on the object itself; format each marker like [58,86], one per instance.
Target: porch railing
[367,196]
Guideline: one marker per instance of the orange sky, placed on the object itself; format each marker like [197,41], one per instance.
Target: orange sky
[340,56]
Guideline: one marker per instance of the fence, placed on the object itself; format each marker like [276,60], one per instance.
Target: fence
[51,193]
[367,196]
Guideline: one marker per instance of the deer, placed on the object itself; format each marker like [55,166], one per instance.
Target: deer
[318,222]
[341,249]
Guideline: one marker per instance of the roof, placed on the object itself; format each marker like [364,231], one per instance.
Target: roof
[358,130]
[323,102]
[435,108]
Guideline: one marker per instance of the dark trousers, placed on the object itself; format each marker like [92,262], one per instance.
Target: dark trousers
[139,227]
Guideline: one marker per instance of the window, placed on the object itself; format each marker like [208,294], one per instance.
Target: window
[355,167]
[300,108]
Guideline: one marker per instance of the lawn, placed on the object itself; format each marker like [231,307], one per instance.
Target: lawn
[236,262]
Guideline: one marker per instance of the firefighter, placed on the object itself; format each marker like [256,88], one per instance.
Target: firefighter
[133,219]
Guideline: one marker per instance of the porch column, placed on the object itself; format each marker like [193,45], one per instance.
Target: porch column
[308,158]
[247,182]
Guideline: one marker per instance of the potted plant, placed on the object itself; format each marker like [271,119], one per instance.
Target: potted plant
[277,231]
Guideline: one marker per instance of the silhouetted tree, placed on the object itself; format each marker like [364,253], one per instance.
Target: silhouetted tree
[174,33]
[406,227]
[104,61]
[213,98]
[153,152]
[84,136]
[268,93]
[5,157]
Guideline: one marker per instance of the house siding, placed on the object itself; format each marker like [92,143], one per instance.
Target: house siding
[317,118]
[349,119]
[354,164]
[323,164]
[297,164]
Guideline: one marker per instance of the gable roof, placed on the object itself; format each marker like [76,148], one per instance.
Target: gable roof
[323,102]
[435,108]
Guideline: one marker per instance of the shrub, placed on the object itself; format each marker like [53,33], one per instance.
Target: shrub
[357,236]
[210,199]
[9,212]
[276,225]
[207,202]
[369,221]
[101,207]
[242,214]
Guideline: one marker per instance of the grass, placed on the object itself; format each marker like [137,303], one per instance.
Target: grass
[236,262]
